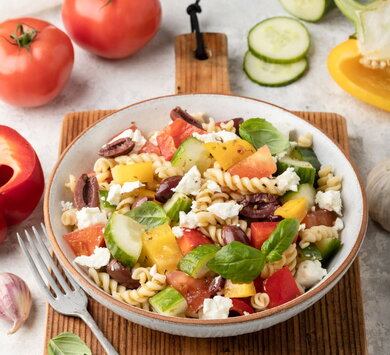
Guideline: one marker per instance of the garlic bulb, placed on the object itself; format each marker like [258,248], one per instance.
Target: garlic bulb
[378,193]
[15,300]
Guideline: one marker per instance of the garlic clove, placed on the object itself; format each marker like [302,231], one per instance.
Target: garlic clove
[15,300]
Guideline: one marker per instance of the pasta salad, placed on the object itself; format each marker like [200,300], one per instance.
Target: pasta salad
[205,219]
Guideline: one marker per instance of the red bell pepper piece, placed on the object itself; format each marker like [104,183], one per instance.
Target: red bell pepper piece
[191,238]
[260,232]
[84,241]
[240,306]
[281,287]
[21,179]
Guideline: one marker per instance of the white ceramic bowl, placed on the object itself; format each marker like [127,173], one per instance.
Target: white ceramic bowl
[153,114]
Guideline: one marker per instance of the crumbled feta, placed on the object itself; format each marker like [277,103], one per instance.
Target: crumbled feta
[218,137]
[216,308]
[177,231]
[153,138]
[329,200]
[114,194]
[301,227]
[131,186]
[309,272]
[338,224]
[190,182]
[136,136]
[225,210]
[189,220]
[99,258]
[213,186]
[288,180]
[153,270]
[89,216]
[66,205]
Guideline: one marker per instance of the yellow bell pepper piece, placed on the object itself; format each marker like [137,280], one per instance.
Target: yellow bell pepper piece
[230,153]
[369,85]
[160,248]
[238,289]
[296,208]
[134,172]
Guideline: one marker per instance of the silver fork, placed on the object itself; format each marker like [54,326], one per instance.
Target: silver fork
[72,302]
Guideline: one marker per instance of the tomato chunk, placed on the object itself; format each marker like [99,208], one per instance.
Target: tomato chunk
[149,147]
[167,145]
[319,217]
[281,287]
[180,130]
[193,290]
[259,164]
[239,307]
[191,238]
[84,241]
[260,232]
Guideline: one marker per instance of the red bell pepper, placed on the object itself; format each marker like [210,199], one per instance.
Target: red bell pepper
[21,179]
[281,287]
[260,232]
[191,238]
[240,306]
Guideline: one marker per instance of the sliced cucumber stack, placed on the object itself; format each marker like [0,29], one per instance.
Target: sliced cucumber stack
[307,10]
[304,169]
[178,202]
[170,302]
[304,190]
[277,51]
[195,262]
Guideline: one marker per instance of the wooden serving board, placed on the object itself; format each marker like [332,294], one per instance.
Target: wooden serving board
[333,325]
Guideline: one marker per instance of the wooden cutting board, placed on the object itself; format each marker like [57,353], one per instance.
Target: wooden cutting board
[333,325]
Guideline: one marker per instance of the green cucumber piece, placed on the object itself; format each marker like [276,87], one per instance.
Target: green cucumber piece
[304,190]
[178,202]
[270,74]
[307,10]
[306,154]
[328,248]
[304,169]
[195,262]
[170,302]
[280,40]
[309,253]
[192,152]
[104,204]
[123,238]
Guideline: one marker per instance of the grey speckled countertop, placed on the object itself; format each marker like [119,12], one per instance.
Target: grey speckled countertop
[101,84]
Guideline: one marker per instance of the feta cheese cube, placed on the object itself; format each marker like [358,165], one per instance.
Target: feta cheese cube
[288,180]
[189,220]
[114,194]
[131,186]
[153,138]
[216,308]
[136,136]
[338,224]
[177,231]
[213,186]
[329,200]
[225,210]
[190,182]
[309,272]
[89,216]
[218,137]
[99,258]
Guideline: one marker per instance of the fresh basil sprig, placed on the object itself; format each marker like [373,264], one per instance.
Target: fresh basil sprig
[280,239]
[150,214]
[259,132]
[67,344]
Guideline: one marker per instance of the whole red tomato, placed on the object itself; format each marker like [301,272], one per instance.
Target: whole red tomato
[111,28]
[36,59]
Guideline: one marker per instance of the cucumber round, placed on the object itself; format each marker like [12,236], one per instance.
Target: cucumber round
[306,154]
[270,74]
[170,302]
[195,262]
[328,247]
[307,10]
[304,169]
[304,190]
[178,202]
[123,238]
[280,40]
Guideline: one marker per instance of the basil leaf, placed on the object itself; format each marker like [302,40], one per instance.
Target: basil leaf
[280,239]
[237,262]
[259,132]
[150,214]
[67,344]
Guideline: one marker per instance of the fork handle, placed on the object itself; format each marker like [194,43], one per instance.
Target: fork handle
[87,318]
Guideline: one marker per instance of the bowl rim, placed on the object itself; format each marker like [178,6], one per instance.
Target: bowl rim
[86,284]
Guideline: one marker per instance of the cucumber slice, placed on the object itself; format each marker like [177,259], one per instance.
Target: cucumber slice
[270,74]
[307,10]
[192,152]
[123,238]
[304,169]
[170,302]
[328,248]
[304,190]
[309,253]
[104,204]
[178,202]
[306,154]
[195,262]
[280,40]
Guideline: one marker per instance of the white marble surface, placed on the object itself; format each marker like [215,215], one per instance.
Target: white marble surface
[101,84]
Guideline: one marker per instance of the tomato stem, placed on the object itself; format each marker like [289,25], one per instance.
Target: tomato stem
[23,38]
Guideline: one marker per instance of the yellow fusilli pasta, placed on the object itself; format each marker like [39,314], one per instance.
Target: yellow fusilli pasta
[315,234]
[289,259]
[327,180]
[305,140]
[211,126]
[69,217]
[125,204]
[260,301]
[207,197]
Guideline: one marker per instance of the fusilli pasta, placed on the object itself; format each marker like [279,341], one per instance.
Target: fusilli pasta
[305,140]
[69,217]
[327,180]
[211,126]
[289,259]
[71,183]
[315,234]
[260,301]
